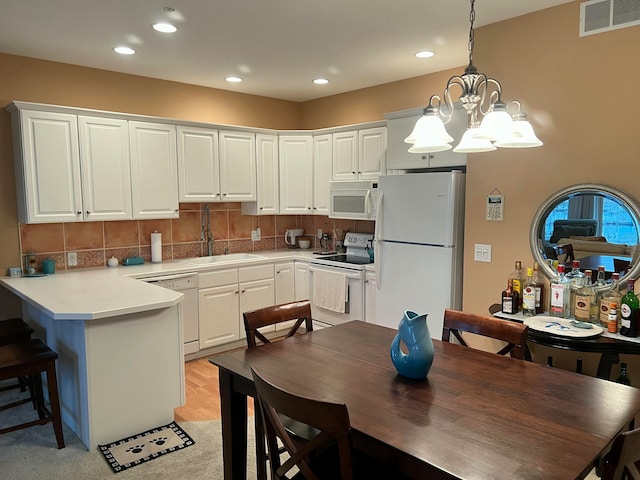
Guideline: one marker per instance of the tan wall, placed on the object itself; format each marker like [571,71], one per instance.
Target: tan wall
[580,94]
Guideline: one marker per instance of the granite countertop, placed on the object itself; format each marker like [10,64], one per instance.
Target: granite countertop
[97,293]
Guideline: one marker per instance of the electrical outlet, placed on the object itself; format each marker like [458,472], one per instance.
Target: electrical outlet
[72,259]
[255,235]
[319,233]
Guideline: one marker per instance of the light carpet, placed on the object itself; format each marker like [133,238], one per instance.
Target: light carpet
[32,454]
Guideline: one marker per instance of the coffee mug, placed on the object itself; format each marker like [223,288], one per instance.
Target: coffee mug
[48,266]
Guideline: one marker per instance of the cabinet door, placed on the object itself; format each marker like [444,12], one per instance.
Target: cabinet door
[106,168]
[322,159]
[48,169]
[370,288]
[372,146]
[218,315]
[302,281]
[345,156]
[198,165]
[267,174]
[296,174]
[285,282]
[253,295]
[237,166]
[154,170]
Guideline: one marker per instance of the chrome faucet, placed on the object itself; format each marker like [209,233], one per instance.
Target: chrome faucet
[205,231]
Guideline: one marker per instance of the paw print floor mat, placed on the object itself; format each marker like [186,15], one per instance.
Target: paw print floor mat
[135,450]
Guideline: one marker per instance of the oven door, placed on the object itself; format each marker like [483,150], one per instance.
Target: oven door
[355,296]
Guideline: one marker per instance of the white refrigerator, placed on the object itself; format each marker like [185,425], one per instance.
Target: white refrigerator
[419,246]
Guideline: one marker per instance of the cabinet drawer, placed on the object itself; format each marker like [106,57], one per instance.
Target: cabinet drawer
[218,278]
[259,272]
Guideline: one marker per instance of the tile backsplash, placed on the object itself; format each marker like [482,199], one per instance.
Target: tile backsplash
[96,242]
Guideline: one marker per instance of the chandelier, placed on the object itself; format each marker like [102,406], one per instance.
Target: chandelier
[481,96]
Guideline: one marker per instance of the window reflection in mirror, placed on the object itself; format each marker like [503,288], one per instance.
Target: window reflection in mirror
[601,224]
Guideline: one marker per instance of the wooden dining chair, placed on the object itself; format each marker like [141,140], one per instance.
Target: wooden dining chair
[621,462]
[299,311]
[327,455]
[514,333]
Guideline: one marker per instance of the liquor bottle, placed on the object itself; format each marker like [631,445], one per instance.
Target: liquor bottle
[612,326]
[560,292]
[611,295]
[518,278]
[622,378]
[538,281]
[585,300]
[629,312]
[600,279]
[510,299]
[529,295]
[576,278]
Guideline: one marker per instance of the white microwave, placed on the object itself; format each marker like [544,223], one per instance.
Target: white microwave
[353,200]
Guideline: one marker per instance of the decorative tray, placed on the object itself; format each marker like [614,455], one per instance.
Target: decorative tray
[562,327]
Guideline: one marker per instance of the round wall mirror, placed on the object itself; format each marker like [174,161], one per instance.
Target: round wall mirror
[595,224]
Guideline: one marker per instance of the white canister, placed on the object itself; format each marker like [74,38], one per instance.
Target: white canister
[156,247]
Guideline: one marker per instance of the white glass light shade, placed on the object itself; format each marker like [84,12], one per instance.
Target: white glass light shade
[522,136]
[427,147]
[496,124]
[471,144]
[429,128]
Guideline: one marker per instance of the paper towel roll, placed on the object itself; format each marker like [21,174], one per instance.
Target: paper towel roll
[156,247]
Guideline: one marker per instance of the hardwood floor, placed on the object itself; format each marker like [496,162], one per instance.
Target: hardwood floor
[203,396]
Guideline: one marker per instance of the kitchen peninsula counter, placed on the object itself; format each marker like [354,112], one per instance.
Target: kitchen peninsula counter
[119,341]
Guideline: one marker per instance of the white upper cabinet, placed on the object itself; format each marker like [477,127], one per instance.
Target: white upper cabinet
[47,163]
[267,192]
[106,168]
[359,154]
[296,174]
[198,165]
[372,148]
[400,125]
[322,158]
[154,170]
[237,166]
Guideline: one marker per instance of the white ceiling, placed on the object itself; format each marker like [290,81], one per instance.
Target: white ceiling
[277,46]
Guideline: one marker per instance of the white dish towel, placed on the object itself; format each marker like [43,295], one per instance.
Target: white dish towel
[330,290]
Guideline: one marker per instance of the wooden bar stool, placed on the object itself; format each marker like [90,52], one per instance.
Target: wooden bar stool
[30,359]
[14,330]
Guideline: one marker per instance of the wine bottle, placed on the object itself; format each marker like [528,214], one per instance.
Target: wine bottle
[623,378]
[629,312]
[559,301]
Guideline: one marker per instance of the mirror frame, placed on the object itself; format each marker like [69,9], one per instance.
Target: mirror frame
[550,203]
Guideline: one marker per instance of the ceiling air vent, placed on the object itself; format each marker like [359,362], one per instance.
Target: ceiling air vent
[597,16]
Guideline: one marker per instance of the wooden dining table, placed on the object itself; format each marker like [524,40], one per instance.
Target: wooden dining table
[478,415]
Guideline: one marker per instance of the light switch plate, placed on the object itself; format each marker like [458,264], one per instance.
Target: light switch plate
[72,259]
[482,253]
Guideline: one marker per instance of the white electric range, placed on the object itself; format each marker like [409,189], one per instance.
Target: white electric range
[352,266]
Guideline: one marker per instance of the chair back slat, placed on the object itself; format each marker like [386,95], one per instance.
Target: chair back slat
[263,317]
[514,333]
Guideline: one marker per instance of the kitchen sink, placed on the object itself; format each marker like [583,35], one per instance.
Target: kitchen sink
[218,259]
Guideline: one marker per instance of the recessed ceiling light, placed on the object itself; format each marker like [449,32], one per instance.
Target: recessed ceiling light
[425,54]
[321,81]
[164,27]
[124,50]
[232,79]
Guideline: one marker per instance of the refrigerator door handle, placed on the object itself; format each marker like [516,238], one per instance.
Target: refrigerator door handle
[378,242]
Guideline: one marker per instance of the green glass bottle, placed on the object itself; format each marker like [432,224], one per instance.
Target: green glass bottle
[622,378]
[630,311]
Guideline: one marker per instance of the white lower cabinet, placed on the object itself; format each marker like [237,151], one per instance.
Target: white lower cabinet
[225,294]
[302,280]
[370,287]
[285,288]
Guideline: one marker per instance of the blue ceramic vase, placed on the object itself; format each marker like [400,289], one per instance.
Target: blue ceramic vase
[414,333]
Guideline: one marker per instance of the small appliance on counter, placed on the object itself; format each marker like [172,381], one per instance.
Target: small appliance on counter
[291,237]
